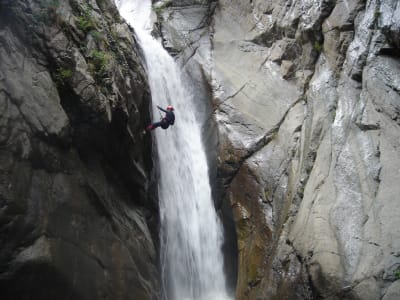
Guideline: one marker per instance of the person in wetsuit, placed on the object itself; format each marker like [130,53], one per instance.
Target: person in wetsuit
[165,122]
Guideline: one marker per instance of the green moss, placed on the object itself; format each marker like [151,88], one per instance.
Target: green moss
[117,18]
[83,48]
[98,61]
[300,191]
[243,230]
[266,194]
[318,46]
[397,274]
[333,112]
[254,262]
[86,22]
[62,75]
[272,135]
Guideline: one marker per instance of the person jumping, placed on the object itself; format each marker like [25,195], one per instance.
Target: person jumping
[169,119]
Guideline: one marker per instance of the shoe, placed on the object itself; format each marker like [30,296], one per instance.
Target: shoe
[150,127]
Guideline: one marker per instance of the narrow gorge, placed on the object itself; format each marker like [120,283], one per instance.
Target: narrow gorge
[287,124]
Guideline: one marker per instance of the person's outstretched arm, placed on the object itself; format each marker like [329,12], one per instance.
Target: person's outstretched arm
[161,109]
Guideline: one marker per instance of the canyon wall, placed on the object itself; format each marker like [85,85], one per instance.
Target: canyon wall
[77,220]
[301,117]
[299,102]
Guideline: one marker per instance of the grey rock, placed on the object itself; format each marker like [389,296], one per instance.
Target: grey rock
[77,217]
[388,15]
[393,291]
[305,99]
[23,80]
[287,68]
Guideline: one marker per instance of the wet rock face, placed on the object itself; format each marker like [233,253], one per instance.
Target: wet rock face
[305,97]
[74,169]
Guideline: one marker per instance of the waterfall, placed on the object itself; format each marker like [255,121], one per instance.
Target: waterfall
[190,231]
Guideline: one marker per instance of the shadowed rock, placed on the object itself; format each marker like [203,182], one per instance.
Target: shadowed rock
[76,217]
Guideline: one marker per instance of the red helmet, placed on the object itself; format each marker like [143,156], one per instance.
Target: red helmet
[170,107]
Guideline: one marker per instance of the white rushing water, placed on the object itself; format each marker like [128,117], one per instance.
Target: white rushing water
[190,233]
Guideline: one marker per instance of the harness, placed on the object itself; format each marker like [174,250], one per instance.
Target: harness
[164,123]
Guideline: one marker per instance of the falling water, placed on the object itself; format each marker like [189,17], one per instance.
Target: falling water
[190,233]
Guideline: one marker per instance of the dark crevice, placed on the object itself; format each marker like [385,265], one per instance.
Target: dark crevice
[38,280]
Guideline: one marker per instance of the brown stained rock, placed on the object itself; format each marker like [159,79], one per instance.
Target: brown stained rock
[253,233]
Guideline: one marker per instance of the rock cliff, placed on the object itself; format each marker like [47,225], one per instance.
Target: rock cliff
[76,215]
[305,97]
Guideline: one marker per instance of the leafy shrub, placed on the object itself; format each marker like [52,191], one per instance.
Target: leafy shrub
[98,61]
[62,75]
[86,22]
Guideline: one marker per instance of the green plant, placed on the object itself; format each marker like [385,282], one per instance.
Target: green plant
[274,135]
[83,48]
[318,46]
[300,191]
[266,194]
[397,274]
[86,22]
[62,75]
[117,18]
[99,61]
[377,16]
[333,112]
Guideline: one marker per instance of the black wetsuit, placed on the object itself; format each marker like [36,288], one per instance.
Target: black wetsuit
[169,119]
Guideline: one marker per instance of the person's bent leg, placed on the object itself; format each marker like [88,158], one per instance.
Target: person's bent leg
[153,126]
